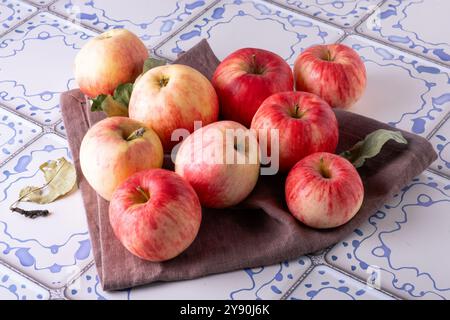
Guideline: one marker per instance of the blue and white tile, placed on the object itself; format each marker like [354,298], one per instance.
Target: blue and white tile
[420,26]
[441,143]
[30,80]
[51,249]
[325,283]
[406,92]
[258,283]
[13,12]
[41,3]
[15,132]
[16,287]
[152,21]
[343,13]
[60,128]
[403,247]
[231,25]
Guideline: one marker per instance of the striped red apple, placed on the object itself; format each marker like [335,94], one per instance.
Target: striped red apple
[305,123]
[155,214]
[334,72]
[246,78]
[324,190]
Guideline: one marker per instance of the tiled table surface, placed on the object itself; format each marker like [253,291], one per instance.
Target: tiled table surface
[401,252]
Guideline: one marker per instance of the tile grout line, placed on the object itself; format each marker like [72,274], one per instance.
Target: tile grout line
[75,278]
[26,276]
[329,23]
[320,260]
[182,27]
[21,23]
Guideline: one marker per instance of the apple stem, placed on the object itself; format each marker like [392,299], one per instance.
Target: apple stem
[143,193]
[324,172]
[139,133]
[328,55]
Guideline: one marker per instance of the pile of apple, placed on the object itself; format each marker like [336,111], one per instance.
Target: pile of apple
[156,213]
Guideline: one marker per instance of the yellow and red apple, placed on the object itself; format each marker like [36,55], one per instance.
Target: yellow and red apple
[116,148]
[109,60]
[221,162]
[173,97]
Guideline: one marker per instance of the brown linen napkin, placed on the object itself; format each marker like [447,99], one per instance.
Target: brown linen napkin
[258,232]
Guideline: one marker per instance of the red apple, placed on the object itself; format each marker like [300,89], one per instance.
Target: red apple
[173,97]
[246,78]
[155,214]
[221,163]
[108,60]
[306,124]
[116,148]
[334,72]
[324,190]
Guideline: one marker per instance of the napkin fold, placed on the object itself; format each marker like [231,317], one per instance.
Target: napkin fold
[260,231]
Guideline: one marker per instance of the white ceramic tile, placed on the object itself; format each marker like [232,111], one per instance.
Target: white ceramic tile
[404,247]
[13,12]
[259,283]
[36,65]
[51,249]
[15,287]
[152,20]
[15,132]
[406,92]
[343,13]
[232,25]
[441,143]
[60,128]
[421,26]
[41,3]
[325,283]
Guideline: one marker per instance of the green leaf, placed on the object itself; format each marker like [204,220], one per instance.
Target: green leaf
[116,105]
[113,108]
[371,146]
[97,103]
[122,94]
[151,63]
[60,177]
